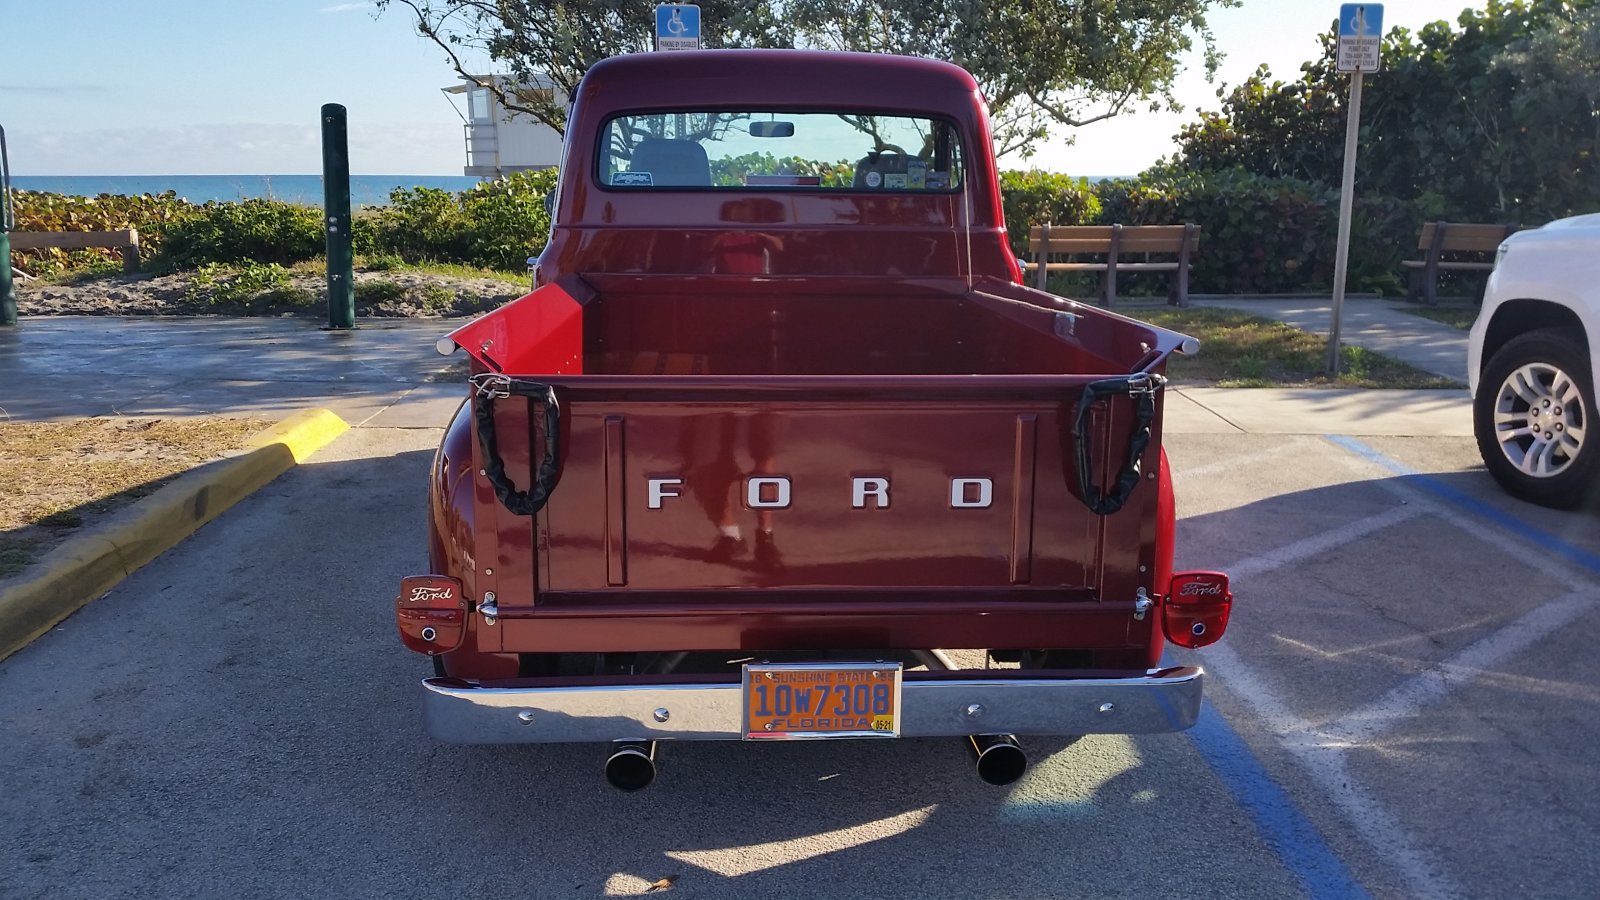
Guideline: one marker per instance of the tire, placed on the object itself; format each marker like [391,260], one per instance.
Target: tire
[1534,418]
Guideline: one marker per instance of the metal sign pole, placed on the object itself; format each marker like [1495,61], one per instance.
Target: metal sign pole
[1347,186]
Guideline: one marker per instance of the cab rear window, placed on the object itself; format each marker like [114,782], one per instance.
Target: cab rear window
[770,150]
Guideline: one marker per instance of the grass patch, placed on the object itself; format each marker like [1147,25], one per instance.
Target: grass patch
[388,262]
[62,476]
[1241,350]
[1460,317]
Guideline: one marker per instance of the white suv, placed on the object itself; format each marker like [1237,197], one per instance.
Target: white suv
[1532,363]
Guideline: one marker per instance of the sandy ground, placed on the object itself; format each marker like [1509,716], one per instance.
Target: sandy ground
[167,295]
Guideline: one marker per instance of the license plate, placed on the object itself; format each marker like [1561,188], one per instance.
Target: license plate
[787,701]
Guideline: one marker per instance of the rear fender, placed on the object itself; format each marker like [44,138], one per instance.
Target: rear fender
[451,517]
[1166,542]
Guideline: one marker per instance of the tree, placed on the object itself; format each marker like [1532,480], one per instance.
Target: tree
[1495,119]
[1041,63]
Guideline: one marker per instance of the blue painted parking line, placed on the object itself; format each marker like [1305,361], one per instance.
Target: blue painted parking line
[1538,536]
[1284,828]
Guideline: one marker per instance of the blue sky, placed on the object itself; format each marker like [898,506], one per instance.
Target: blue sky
[223,87]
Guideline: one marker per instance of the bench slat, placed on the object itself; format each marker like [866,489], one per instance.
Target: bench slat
[74,240]
[126,240]
[1097,239]
[1464,237]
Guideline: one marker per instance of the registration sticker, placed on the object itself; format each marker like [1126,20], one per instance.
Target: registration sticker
[792,701]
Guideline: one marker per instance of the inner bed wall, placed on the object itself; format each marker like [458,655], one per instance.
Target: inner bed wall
[783,334]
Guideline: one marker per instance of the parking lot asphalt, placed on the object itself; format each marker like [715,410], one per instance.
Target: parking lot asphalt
[1404,706]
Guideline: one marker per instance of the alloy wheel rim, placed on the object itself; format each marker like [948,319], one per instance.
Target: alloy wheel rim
[1540,420]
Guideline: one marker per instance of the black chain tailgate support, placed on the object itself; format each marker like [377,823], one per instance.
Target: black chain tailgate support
[1142,388]
[492,387]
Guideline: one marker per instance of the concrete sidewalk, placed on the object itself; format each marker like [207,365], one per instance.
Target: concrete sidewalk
[1382,326]
[387,374]
[384,373]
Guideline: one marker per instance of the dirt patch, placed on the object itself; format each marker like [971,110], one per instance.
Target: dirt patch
[63,476]
[383,294]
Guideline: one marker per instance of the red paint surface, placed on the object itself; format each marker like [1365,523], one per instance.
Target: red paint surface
[718,336]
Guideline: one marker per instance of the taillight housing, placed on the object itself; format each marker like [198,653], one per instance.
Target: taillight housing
[1195,611]
[432,613]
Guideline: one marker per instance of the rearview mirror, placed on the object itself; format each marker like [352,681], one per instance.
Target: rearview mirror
[772,129]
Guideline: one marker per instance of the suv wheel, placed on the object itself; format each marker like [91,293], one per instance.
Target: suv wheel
[1532,415]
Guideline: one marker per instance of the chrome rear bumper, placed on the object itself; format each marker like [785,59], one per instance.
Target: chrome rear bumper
[463,713]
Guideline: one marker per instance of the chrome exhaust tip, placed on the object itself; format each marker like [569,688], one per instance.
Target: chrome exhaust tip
[631,765]
[1000,759]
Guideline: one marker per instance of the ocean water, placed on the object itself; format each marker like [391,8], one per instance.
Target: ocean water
[365,190]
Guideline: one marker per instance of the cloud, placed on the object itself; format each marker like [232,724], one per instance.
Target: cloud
[54,88]
[217,149]
[346,7]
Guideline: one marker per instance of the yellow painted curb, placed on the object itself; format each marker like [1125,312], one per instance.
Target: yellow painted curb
[91,563]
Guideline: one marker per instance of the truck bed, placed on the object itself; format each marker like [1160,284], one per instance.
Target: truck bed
[746,464]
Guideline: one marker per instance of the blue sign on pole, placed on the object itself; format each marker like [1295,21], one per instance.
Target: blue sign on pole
[677,26]
[1361,20]
[1360,37]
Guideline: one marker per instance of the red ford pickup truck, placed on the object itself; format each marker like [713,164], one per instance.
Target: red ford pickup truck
[781,448]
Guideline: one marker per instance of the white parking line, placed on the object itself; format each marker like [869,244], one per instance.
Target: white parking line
[1364,725]
[1238,461]
[1318,544]
[1326,765]
[1321,750]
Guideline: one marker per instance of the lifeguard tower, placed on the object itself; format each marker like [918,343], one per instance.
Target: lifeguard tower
[499,141]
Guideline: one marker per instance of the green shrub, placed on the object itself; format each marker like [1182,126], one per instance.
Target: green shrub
[381,262]
[1259,234]
[260,231]
[255,287]
[1035,198]
[421,223]
[435,299]
[506,219]
[377,291]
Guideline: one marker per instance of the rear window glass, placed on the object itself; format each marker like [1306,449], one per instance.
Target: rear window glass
[825,151]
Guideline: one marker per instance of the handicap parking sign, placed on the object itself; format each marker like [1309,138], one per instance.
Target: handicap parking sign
[677,26]
[1360,37]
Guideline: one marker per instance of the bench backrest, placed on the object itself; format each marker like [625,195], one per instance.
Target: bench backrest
[1463,237]
[1097,238]
[74,240]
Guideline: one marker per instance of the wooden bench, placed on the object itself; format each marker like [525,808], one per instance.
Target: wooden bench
[1458,238]
[126,240]
[1113,242]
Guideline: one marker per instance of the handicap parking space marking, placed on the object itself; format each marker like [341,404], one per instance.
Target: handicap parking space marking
[1432,488]
[1320,750]
[1283,826]
[1363,726]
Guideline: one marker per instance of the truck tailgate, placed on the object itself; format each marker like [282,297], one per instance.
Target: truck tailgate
[888,483]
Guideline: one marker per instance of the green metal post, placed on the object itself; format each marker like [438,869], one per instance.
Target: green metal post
[8,291]
[336,212]
[8,221]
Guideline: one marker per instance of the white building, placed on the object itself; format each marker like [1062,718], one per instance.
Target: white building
[498,141]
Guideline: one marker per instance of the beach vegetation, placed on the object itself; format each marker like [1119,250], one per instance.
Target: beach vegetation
[378,290]
[1490,120]
[246,287]
[256,230]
